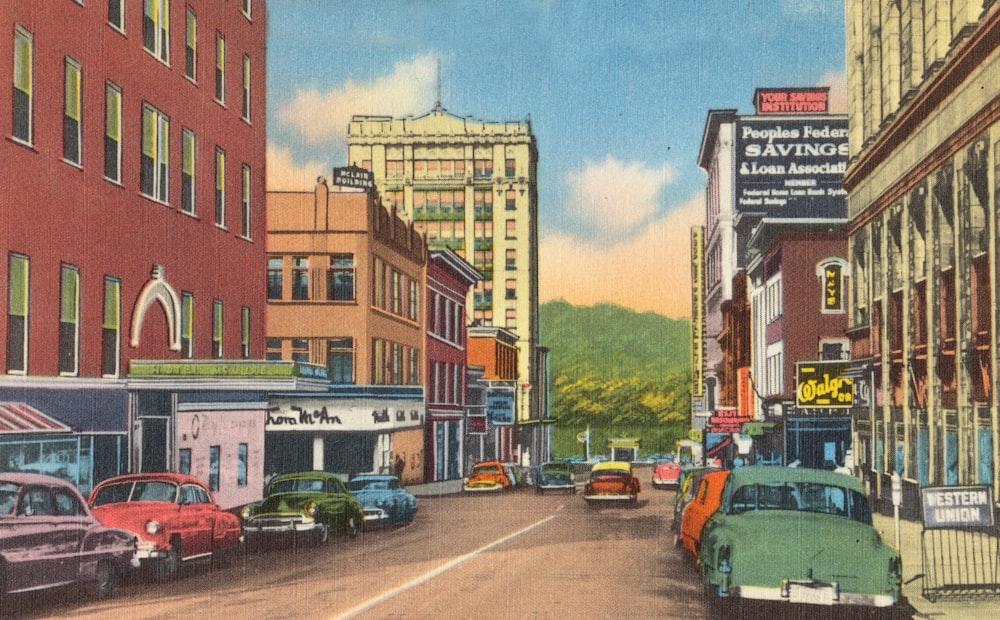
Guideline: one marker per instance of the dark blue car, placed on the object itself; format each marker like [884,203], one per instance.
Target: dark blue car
[384,501]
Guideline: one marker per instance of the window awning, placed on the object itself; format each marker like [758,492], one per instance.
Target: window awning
[757,429]
[22,418]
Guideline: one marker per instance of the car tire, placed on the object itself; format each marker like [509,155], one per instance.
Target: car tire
[105,579]
[168,565]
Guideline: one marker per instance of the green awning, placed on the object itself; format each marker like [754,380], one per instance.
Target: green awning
[757,429]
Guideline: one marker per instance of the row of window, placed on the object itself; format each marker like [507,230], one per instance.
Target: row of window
[154,151]
[388,286]
[339,360]
[444,168]
[446,385]
[18,313]
[453,201]
[395,364]
[447,319]
[194,494]
[338,284]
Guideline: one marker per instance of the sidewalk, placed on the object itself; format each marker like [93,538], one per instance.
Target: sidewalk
[909,550]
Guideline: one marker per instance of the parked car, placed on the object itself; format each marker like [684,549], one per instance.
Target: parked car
[555,476]
[490,476]
[174,516]
[689,480]
[704,503]
[314,503]
[383,500]
[49,538]
[667,475]
[612,481]
[796,535]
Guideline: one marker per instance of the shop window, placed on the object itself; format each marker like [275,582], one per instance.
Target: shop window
[241,465]
[214,463]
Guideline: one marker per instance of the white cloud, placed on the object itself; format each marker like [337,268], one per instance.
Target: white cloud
[321,118]
[283,174]
[614,197]
[837,81]
[650,272]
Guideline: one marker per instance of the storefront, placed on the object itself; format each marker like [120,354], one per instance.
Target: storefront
[347,430]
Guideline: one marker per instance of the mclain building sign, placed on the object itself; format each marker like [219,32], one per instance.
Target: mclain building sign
[791,167]
[353,176]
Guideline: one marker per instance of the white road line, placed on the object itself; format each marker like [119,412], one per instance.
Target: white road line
[381,598]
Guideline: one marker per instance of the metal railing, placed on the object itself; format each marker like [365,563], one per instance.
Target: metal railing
[960,563]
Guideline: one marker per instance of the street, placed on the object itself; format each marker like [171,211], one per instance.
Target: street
[516,555]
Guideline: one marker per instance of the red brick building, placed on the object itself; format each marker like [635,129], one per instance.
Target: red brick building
[132,217]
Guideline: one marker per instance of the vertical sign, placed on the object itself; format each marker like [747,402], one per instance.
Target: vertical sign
[697,310]
[833,288]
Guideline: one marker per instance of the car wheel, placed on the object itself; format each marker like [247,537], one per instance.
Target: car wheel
[166,568]
[105,579]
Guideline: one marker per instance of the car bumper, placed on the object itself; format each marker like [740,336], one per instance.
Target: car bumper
[812,593]
[664,484]
[609,498]
[376,517]
[566,486]
[149,551]
[280,525]
[483,489]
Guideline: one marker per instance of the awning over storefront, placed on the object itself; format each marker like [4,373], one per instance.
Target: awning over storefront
[757,429]
[22,418]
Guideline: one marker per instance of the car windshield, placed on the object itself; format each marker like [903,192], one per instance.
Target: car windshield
[609,473]
[8,497]
[555,469]
[801,496]
[152,491]
[298,485]
[486,469]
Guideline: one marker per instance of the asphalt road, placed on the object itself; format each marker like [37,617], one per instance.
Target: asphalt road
[516,555]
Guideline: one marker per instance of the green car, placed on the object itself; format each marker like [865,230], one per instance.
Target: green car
[313,504]
[796,535]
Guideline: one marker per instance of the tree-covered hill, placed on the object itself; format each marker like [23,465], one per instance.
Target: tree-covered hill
[619,372]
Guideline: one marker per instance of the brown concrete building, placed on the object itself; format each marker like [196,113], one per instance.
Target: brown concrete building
[346,292]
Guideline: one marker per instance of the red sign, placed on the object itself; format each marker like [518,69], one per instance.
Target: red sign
[791,100]
[726,421]
[476,424]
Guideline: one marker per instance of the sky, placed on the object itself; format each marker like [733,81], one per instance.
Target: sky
[617,93]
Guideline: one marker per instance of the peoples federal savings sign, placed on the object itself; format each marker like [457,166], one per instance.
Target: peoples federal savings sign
[957,507]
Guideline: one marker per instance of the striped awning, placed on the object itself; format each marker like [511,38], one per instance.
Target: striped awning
[22,418]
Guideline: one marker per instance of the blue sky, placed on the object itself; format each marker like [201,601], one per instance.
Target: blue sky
[617,93]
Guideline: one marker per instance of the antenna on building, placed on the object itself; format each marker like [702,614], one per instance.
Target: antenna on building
[437,104]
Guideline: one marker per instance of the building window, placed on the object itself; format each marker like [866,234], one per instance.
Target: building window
[241,465]
[188,154]
[300,350]
[247,8]
[341,284]
[340,360]
[191,46]
[214,456]
[274,279]
[245,211]
[113,134]
[414,305]
[378,282]
[394,168]
[246,88]
[156,28]
[69,320]
[155,143]
[17,315]
[273,349]
[300,278]
[511,288]
[482,168]
[510,167]
[116,14]
[111,334]
[217,315]
[511,263]
[73,113]
[220,69]
[511,229]
[24,86]
[246,333]
[220,188]
[511,200]
[397,292]
[184,461]
[414,366]
[187,325]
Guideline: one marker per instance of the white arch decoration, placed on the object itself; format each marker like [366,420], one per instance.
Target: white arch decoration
[158,290]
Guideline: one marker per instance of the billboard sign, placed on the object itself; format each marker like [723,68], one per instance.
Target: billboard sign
[791,167]
[791,100]
[353,176]
[824,384]
[500,406]
[697,310]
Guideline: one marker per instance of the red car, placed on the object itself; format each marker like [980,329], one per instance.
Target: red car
[612,481]
[48,538]
[706,502]
[174,515]
[667,475]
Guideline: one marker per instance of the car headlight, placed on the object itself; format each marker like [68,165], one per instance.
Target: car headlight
[311,508]
[247,512]
[152,527]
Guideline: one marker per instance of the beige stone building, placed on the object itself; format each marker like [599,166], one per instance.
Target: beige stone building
[471,186]
[923,183]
